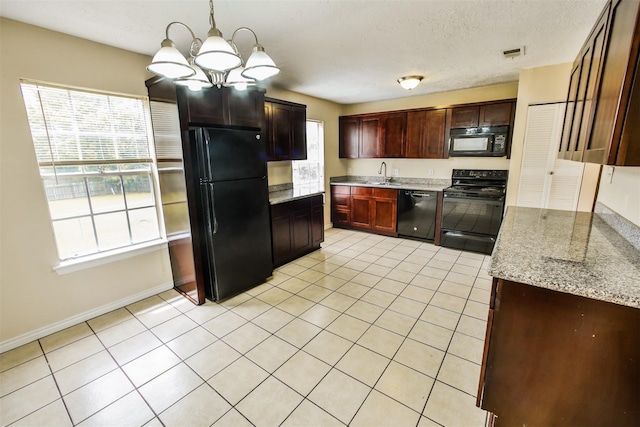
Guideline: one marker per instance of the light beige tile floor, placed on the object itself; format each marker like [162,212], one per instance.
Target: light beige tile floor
[367,331]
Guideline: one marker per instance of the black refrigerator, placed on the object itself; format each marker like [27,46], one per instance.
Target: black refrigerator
[234,228]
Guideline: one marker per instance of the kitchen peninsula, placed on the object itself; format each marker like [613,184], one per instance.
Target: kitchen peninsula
[563,332]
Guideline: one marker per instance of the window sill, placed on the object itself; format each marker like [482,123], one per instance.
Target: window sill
[89,261]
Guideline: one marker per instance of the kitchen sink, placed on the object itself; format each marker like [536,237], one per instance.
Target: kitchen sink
[384,184]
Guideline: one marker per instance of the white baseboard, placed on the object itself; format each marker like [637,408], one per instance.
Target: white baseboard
[12,343]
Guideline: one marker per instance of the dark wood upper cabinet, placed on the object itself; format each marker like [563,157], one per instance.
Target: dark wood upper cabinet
[426,134]
[246,108]
[495,114]
[465,117]
[369,137]
[599,125]
[299,133]
[393,129]
[435,141]
[220,107]
[416,134]
[349,137]
[285,128]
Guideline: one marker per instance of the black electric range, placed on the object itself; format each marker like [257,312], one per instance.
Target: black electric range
[472,209]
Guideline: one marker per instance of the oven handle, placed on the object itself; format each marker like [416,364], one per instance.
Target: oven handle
[476,200]
[423,195]
[470,236]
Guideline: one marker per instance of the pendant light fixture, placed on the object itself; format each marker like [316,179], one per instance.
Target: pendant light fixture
[214,62]
[410,82]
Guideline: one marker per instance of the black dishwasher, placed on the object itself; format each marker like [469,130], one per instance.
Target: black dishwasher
[417,214]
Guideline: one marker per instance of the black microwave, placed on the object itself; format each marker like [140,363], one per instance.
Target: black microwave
[479,142]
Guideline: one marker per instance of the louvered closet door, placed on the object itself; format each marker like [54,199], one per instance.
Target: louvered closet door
[546,182]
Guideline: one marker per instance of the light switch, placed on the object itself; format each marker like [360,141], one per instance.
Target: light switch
[430,172]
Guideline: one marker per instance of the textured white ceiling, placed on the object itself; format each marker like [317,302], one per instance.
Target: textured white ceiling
[346,51]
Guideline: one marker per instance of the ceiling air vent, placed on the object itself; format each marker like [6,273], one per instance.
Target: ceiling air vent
[512,53]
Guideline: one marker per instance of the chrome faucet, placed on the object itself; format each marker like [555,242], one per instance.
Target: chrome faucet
[384,177]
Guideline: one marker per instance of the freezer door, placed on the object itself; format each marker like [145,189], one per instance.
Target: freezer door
[241,236]
[233,154]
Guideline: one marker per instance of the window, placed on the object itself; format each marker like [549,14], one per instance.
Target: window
[311,171]
[93,152]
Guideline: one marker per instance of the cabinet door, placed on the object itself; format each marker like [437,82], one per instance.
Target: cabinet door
[349,140]
[317,224]
[301,230]
[416,129]
[361,211]
[369,137]
[616,86]
[594,61]
[569,113]
[267,131]
[281,238]
[385,215]
[393,128]
[426,134]
[204,107]
[281,117]
[298,133]
[495,114]
[246,108]
[465,117]
[434,140]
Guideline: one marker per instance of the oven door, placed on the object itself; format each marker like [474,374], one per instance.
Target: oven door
[475,215]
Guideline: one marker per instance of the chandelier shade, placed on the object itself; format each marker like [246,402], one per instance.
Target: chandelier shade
[237,80]
[169,62]
[196,82]
[217,54]
[260,66]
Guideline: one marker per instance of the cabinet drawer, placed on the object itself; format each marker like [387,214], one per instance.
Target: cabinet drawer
[362,191]
[341,200]
[287,208]
[385,193]
[340,189]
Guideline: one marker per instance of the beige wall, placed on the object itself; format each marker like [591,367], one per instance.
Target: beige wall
[620,191]
[317,109]
[430,168]
[33,296]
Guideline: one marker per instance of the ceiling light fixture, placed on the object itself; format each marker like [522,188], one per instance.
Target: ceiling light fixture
[410,82]
[220,58]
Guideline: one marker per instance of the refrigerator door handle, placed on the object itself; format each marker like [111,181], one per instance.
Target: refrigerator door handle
[213,207]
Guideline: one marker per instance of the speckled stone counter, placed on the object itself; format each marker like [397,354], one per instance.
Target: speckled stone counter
[293,193]
[424,184]
[572,252]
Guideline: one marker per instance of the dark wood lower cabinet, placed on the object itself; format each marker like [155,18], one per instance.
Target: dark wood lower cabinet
[365,208]
[297,228]
[556,359]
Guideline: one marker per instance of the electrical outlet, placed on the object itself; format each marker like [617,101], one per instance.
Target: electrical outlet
[349,170]
[395,172]
[430,172]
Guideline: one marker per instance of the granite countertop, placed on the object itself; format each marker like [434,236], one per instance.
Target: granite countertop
[571,252]
[424,184]
[294,193]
